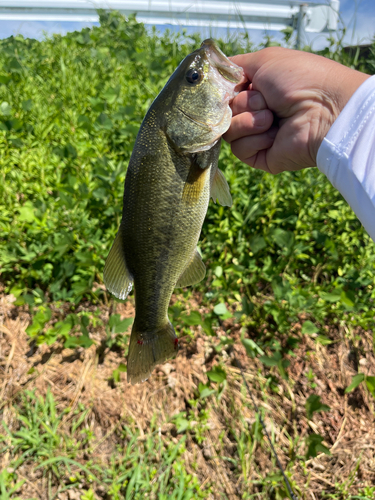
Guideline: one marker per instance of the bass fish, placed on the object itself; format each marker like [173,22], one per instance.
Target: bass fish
[172,173]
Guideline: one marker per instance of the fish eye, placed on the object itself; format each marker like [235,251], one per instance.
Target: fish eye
[193,76]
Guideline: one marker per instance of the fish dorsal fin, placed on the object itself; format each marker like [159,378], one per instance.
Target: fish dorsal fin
[220,189]
[116,275]
[194,272]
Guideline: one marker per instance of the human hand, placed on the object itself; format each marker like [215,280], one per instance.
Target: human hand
[305,93]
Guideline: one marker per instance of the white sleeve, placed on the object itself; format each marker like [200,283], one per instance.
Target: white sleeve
[347,154]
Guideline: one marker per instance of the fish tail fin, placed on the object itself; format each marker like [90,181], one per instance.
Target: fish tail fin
[148,349]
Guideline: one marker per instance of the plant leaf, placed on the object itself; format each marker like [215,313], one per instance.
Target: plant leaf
[356,380]
[309,327]
[314,405]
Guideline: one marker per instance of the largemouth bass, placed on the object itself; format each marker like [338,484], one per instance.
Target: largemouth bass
[172,173]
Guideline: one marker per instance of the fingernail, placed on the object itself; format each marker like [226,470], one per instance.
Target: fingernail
[256,102]
[260,119]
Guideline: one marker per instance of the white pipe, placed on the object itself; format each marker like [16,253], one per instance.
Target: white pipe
[245,14]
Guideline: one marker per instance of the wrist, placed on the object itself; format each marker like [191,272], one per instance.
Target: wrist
[351,80]
[333,100]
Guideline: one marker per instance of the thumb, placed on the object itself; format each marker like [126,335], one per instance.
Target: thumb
[249,62]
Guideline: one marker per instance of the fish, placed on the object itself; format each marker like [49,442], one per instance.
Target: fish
[172,173]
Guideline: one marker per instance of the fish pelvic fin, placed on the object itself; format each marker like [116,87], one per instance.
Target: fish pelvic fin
[220,189]
[148,349]
[116,275]
[193,273]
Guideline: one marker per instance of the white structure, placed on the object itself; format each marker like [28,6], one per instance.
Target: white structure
[243,14]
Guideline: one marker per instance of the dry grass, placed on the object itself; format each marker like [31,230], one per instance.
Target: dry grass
[83,377]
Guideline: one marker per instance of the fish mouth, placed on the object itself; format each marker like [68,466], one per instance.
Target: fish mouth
[202,123]
[227,69]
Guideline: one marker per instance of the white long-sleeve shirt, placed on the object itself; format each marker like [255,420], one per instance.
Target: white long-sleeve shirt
[347,154]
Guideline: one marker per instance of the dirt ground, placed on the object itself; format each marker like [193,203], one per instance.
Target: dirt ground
[84,376]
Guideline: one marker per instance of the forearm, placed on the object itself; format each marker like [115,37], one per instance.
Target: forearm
[347,154]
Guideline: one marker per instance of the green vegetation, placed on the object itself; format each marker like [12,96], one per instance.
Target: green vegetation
[70,109]
[39,444]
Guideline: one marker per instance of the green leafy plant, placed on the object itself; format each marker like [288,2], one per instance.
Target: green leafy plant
[315,446]
[115,327]
[314,405]
[368,380]
[278,361]
[8,487]
[288,260]
[117,371]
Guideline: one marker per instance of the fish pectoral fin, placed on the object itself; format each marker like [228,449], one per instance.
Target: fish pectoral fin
[220,189]
[206,159]
[148,349]
[116,275]
[194,272]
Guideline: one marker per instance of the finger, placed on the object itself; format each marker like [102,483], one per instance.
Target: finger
[249,123]
[249,62]
[247,147]
[261,161]
[273,159]
[243,85]
[249,100]
[253,61]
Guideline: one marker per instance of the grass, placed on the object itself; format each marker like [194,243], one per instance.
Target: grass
[139,466]
[289,293]
[191,431]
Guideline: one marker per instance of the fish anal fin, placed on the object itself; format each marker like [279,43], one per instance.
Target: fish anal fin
[194,272]
[220,189]
[116,275]
[148,349]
